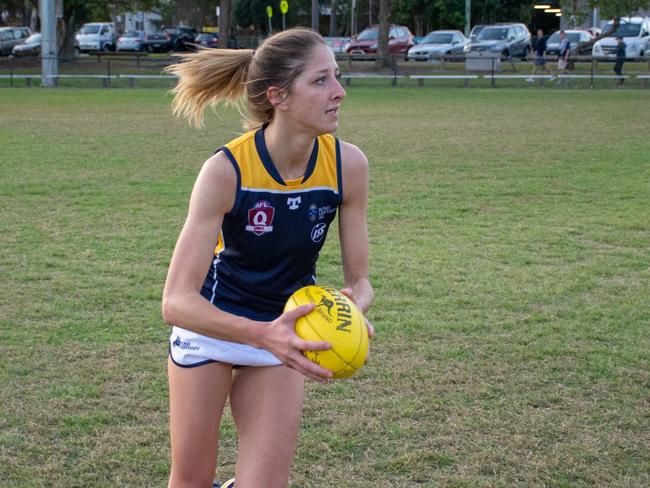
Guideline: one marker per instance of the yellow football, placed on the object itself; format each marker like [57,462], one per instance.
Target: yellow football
[337,320]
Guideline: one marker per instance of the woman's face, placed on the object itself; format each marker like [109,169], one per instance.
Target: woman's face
[315,95]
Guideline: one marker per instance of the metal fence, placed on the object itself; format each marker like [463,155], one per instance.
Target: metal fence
[142,70]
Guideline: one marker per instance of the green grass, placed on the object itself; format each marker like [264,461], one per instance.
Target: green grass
[509,252]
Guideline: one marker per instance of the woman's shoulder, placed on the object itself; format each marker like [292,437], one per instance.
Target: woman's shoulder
[352,157]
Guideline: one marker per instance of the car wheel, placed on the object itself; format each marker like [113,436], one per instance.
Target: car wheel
[526,52]
[505,55]
[106,48]
[149,49]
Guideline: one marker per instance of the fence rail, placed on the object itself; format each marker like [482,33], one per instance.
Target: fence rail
[141,69]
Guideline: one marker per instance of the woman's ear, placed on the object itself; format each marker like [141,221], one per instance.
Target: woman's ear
[277,97]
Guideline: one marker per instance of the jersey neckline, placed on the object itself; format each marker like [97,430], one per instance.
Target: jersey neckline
[265,157]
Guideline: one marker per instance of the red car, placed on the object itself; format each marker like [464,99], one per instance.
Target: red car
[400,40]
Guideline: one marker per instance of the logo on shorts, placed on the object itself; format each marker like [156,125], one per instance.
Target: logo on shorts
[318,232]
[185,345]
[260,218]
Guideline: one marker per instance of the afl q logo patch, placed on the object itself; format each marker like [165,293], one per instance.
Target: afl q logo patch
[318,232]
[260,218]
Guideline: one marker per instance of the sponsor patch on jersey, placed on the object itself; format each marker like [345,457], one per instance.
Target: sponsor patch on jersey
[318,232]
[319,213]
[294,203]
[260,218]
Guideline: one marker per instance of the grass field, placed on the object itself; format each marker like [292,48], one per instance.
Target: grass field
[510,254]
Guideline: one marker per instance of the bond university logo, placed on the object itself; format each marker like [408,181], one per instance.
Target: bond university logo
[185,345]
[260,218]
[294,203]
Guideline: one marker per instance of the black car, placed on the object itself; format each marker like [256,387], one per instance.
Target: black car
[170,39]
[211,39]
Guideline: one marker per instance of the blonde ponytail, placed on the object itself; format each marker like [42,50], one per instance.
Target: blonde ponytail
[207,77]
[237,75]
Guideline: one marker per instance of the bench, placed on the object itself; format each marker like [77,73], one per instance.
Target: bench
[28,78]
[131,78]
[106,80]
[420,78]
[368,76]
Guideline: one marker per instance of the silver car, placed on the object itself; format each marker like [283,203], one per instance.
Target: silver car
[437,44]
[508,40]
[131,41]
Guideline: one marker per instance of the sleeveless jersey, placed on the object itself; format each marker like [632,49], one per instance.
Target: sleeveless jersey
[271,238]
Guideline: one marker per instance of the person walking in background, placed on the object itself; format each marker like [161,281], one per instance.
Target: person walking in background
[620,59]
[540,62]
[563,59]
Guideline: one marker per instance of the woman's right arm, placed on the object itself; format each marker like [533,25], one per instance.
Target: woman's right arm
[183,305]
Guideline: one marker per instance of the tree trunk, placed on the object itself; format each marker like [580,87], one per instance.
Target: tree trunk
[224,23]
[333,19]
[383,59]
[314,15]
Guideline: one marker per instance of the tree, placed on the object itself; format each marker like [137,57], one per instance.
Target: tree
[383,60]
[225,23]
[609,9]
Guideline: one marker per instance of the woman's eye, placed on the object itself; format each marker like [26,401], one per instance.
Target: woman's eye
[337,76]
[322,80]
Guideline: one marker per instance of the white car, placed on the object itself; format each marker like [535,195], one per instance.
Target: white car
[635,32]
[437,44]
[96,36]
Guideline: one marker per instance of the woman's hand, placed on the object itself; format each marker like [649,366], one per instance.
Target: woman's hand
[280,338]
[350,294]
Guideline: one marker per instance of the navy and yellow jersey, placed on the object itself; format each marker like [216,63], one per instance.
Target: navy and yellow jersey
[270,239]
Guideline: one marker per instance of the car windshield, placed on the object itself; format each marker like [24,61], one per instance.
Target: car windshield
[437,39]
[89,29]
[368,35]
[131,34]
[624,30]
[207,37]
[492,34]
[170,30]
[33,38]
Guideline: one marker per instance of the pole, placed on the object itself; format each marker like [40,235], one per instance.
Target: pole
[49,62]
[468,13]
[353,31]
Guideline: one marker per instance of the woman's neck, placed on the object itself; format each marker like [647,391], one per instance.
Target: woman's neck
[289,149]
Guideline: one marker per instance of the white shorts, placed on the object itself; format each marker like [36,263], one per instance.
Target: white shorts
[189,349]
[561,64]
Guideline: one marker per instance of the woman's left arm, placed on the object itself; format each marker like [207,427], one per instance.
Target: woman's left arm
[353,226]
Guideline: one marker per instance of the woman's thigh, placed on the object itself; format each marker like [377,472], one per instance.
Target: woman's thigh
[266,404]
[196,401]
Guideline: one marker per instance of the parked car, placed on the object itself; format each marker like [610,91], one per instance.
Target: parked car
[437,44]
[575,37]
[96,36]
[131,41]
[12,36]
[400,40]
[337,44]
[509,40]
[635,32]
[31,46]
[207,39]
[475,31]
[170,39]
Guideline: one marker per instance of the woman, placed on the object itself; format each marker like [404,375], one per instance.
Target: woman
[258,216]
